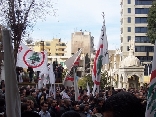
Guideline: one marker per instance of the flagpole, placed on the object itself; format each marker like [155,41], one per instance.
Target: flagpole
[12,98]
[75,84]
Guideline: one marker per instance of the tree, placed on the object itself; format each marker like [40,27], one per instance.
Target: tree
[151,20]
[21,16]
[104,82]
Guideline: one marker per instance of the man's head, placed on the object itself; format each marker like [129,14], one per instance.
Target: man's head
[53,103]
[123,104]
[44,106]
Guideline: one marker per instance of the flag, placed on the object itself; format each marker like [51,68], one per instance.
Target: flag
[68,80]
[151,97]
[21,51]
[88,90]
[100,59]
[74,60]
[28,58]
[51,74]
[40,82]
[75,86]
[12,98]
[64,95]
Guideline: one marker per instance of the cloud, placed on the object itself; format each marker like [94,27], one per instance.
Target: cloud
[74,15]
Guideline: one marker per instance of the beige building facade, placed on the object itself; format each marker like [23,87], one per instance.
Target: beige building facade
[82,40]
[53,47]
[134,26]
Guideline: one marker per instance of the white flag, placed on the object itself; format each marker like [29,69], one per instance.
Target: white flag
[88,89]
[28,58]
[68,80]
[21,53]
[12,98]
[100,59]
[151,97]
[51,74]
[74,60]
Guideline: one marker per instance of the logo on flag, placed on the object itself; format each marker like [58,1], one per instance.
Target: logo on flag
[33,59]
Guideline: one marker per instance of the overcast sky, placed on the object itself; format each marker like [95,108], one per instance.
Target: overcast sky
[74,15]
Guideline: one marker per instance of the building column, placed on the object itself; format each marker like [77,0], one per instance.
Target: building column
[115,61]
[141,80]
[124,85]
[120,83]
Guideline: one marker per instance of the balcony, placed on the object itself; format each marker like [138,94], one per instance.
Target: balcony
[60,47]
[60,52]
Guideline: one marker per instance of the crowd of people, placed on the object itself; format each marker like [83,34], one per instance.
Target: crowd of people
[108,103]
[57,69]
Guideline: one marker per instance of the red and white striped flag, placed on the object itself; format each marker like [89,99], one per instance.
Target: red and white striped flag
[68,80]
[151,97]
[74,60]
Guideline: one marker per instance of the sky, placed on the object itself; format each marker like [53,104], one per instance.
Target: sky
[76,15]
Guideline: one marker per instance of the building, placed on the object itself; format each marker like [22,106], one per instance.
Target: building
[68,49]
[134,26]
[82,40]
[53,47]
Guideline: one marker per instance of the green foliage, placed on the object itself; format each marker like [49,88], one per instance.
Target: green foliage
[151,19]
[87,63]
[105,80]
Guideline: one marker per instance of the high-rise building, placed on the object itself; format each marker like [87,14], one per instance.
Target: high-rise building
[82,40]
[134,26]
[53,47]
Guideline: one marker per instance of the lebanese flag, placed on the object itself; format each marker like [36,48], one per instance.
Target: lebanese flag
[151,97]
[21,51]
[74,60]
[28,58]
[68,80]
[100,59]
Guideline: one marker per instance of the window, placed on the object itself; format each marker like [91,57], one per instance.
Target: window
[127,48]
[47,43]
[129,10]
[141,39]
[141,10]
[140,29]
[121,30]
[143,2]
[144,48]
[121,39]
[129,1]
[141,20]
[129,29]
[128,38]
[129,19]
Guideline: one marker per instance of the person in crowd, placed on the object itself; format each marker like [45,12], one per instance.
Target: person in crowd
[53,110]
[31,73]
[29,114]
[123,104]
[75,106]
[44,108]
[71,114]
[97,111]
[82,110]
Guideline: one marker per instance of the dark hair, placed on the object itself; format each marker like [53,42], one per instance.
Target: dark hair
[71,114]
[124,104]
[2,102]
[29,114]
[98,109]
[42,104]
[23,107]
